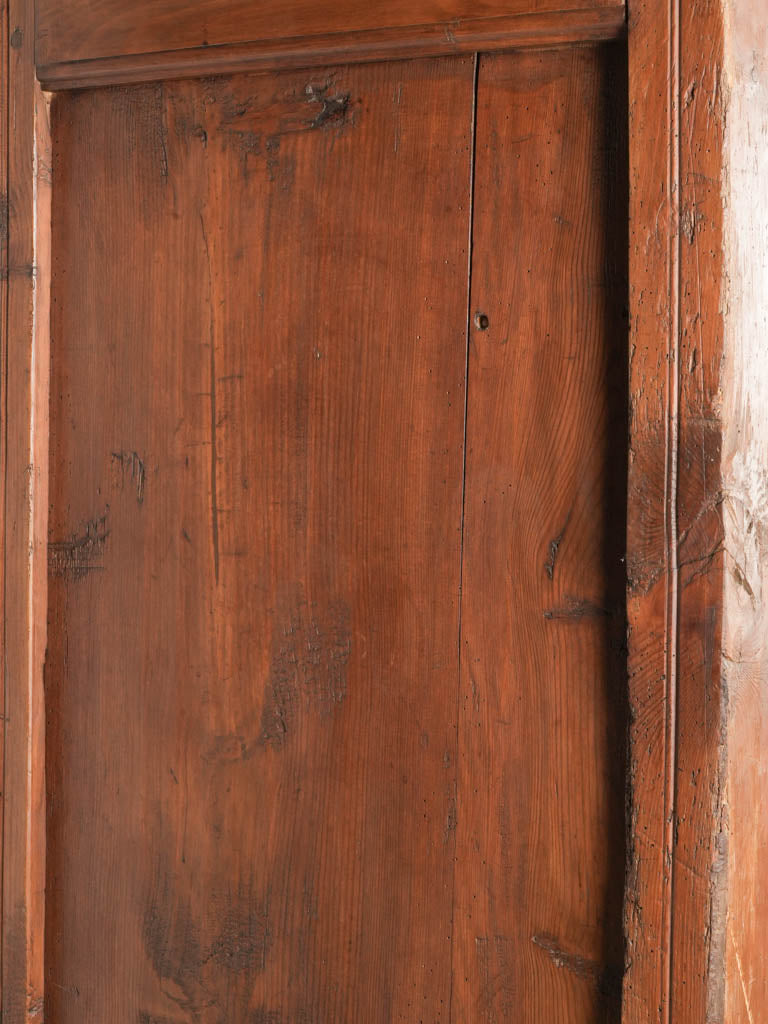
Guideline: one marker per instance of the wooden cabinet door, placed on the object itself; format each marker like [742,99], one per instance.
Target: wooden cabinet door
[339,564]
[334,691]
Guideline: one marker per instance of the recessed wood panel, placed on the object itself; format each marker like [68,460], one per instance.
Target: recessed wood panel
[335,685]
[259,338]
[540,850]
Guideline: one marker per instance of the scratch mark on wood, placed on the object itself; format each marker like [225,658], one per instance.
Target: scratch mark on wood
[606,977]
[309,668]
[744,990]
[576,608]
[689,223]
[451,821]
[162,132]
[82,554]
[703,563]
[554,546]
[214,453]
[709,506]
[132,463]
[740,577]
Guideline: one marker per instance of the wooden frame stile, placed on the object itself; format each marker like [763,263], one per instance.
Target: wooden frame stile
[695,908]
[696,515]
[26,356]
[676,883]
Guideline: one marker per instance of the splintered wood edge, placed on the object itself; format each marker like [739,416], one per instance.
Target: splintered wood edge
[551,28]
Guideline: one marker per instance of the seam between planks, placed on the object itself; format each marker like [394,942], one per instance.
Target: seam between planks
[468,329]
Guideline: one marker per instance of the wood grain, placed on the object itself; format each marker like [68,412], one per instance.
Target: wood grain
[24,281]
[677,888]
[88,29]
[259,320]
[541,28]
[744,393]
[695,909]
[540,840]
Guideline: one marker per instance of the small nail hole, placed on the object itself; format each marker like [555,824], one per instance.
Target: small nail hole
[481,321]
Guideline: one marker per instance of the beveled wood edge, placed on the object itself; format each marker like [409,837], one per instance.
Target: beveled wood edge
[549,28]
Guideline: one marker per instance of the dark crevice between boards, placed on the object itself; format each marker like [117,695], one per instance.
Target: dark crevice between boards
[468,330]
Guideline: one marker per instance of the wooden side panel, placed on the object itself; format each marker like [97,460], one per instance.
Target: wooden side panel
[88,29]
[540,849]
[745,512]
[259,314]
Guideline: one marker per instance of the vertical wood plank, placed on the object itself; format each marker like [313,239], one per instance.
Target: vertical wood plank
[26,272]
[259,316]
[675,906]
[540,850]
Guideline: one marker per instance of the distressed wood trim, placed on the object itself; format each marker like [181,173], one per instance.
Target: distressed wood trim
[676,885]
[26,352]
[744,403]
[467,36]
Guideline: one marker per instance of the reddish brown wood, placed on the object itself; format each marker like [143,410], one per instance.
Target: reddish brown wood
[88,29]
[540,847]
[256,525]
[676,909]
[260,293]
[543,28]
[695,908]
[24,280]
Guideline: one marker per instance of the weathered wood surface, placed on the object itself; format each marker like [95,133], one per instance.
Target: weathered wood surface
[744,388]
[24,319]
[540,834]
[262,760]
[92,29]
[537,28]
[696,899]
[259,327]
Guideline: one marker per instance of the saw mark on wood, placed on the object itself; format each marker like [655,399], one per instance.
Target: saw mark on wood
[82,554]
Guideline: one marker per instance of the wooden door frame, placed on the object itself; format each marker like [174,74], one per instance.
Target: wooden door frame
[683,604]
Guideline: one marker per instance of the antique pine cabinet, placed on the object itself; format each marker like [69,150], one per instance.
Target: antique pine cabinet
[385,493]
